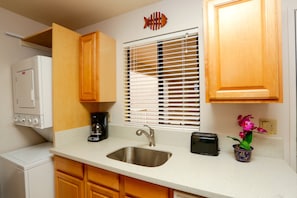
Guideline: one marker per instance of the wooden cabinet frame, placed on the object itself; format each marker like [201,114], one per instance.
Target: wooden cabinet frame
[76,180]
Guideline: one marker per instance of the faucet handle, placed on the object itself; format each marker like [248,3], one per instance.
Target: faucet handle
[151,130]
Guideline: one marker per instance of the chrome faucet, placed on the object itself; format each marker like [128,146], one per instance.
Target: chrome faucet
[150,136]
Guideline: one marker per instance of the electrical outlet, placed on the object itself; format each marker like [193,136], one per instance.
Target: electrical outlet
[269,125]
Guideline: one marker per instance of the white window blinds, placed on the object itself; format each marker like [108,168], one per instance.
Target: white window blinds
[162,82]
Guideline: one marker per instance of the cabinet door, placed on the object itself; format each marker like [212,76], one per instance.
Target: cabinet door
[243,51]
[97,68]
[88,68]
[68,166]
[69,181]
[96,191]
[142,189]
[103,177]
[68,186]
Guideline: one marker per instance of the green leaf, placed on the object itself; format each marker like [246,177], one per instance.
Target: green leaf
[245,145]
[233,138]
[249,137]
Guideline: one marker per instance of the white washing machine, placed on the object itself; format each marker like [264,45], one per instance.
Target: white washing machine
[27,172]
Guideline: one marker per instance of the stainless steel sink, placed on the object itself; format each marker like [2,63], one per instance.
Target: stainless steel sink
[140,156]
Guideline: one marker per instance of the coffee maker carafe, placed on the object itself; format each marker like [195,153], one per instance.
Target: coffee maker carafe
[99,126]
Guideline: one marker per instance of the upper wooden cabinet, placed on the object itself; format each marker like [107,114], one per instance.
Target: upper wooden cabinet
[243,61]
[97,68]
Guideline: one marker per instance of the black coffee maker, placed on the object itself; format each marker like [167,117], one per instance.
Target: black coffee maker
[99,126]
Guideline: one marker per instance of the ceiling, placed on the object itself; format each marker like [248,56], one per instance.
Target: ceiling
[73,14]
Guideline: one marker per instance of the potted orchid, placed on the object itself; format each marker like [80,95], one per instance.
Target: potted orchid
[243,150]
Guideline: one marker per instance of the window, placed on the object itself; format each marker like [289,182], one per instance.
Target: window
[162,82]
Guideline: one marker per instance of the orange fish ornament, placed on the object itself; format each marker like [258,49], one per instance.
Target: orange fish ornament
[155,21]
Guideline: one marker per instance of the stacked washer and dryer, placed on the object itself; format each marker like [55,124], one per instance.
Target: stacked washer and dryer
[29,172]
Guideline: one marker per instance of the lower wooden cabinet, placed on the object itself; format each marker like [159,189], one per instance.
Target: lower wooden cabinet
[76,180]
[97,191]
[68,186]
[69,181]
[138,188]
[101,183]
[102,177]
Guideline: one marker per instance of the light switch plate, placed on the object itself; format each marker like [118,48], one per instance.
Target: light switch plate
[269,124]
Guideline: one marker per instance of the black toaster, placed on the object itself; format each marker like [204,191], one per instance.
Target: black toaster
[205,143]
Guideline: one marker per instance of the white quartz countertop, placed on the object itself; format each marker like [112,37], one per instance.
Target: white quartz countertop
[209,176]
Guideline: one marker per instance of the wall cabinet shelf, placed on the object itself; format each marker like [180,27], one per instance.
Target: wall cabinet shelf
[243,61]
[43,38]
[97,68]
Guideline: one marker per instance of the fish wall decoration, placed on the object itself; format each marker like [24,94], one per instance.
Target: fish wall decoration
[155,21]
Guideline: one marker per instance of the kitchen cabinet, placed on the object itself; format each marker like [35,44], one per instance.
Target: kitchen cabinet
[69,181]
[96,191]
[97,68]
[243,62]
[137,188]
[68,186]
[68,112]
[102,183]
[74,179]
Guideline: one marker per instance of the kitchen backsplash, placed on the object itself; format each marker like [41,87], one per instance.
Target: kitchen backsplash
[266,146]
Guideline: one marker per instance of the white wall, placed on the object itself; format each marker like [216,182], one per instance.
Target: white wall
[12,137]
[129,27]
[291,34]
[219,118]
